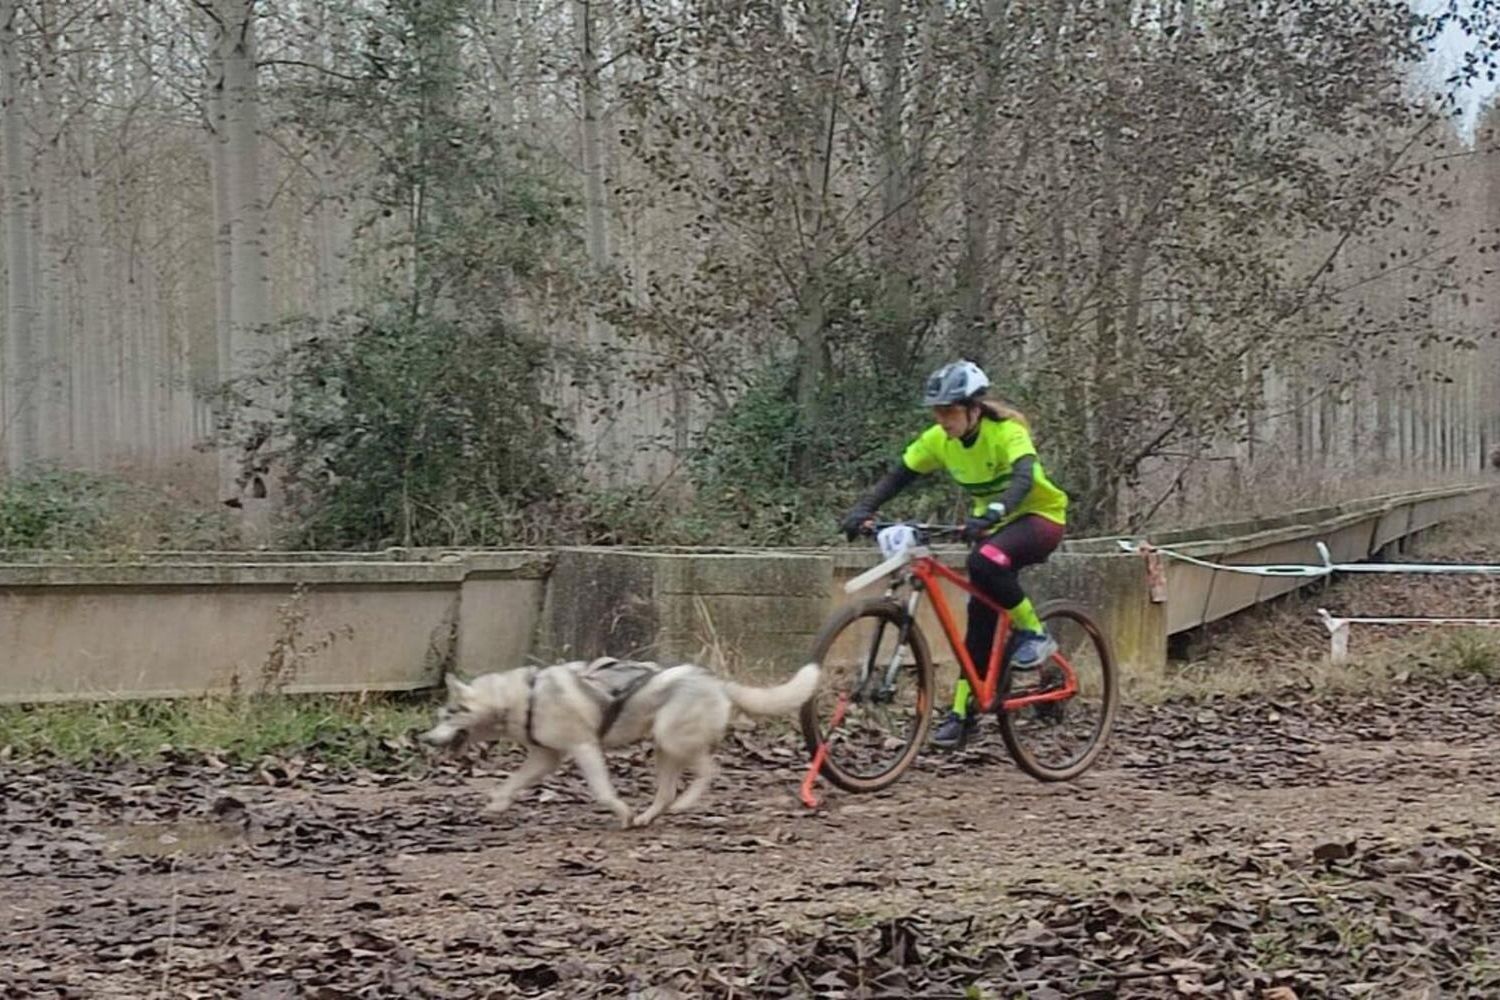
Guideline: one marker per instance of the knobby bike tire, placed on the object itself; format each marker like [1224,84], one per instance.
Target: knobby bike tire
[1019,753]
[892,614]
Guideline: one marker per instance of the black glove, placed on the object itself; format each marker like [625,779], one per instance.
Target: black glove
[976,528]
[853,524]
[893,482]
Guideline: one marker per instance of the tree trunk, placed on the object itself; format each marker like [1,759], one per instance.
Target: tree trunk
[147,331]
[152,392]
[249,301]
[975,306]
[593,143]
[812,308]
[248,290]
[19,419]
[334,237]
[989,254]
[598,336]
[1106,440]
[210,377]
[1383,424]
[98,331]
[56,404]
[504,15]
[889,349]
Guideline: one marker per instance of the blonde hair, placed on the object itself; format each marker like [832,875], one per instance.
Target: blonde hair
[999,411]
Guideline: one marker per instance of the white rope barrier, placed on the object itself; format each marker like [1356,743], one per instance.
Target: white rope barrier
[1310,572]
[1338,627]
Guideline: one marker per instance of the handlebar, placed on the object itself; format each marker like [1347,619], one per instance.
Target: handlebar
[922,528]
[895,561]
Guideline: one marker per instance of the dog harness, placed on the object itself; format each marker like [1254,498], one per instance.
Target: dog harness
[608,681]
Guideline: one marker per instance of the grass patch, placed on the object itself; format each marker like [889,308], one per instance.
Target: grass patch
[1469,653]
[1367,674]
[342,731]
[1386,661]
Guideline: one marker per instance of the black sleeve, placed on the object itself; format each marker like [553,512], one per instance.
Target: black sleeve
[893,482]
[1020,483]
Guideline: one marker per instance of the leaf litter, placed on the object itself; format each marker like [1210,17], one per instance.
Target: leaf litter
[1248,848]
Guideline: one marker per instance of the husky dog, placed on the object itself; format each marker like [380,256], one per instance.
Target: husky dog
[577,709]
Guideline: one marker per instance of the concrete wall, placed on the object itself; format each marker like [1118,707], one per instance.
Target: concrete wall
[1353,532]
[746,608]
[1112,586]
[163,628]
[169,624]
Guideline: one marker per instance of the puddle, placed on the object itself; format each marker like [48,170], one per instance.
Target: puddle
[163,839]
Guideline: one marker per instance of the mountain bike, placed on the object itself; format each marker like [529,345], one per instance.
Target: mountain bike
[870,718]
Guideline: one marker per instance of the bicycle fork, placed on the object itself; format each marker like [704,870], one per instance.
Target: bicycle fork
[885,692]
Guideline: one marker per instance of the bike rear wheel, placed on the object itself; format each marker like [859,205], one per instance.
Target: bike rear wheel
[1059,740]
[876,661]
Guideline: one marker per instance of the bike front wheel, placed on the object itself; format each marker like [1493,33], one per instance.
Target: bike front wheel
[876,664]
[1056,740]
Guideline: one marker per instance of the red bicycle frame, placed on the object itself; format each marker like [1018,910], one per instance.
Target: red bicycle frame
[928,569]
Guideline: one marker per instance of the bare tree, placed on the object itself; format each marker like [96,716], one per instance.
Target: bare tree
[233,101]
[19,421]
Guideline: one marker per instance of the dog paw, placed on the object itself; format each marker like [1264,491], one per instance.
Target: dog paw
[495,807]
[643,819]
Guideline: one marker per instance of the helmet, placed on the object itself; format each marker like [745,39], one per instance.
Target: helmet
[958,382]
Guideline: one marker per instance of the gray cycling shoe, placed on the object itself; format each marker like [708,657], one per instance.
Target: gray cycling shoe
[1032,650]
[955,731]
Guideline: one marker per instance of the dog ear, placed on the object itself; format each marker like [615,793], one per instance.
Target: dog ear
[456,687]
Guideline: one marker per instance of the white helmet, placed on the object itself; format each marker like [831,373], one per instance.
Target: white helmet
[958,382]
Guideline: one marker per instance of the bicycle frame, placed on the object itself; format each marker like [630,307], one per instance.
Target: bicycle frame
[929,571]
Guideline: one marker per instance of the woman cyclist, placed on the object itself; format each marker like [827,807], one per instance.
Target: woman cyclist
[1018,516]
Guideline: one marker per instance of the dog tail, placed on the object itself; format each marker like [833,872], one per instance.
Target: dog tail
[783,699]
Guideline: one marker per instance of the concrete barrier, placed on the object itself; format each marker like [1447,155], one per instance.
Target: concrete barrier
[1112,586]
[160,628]
[1353,532]
[80,626]
[753,607]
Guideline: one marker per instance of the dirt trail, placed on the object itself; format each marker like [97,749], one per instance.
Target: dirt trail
[1336,847]
[1272,846]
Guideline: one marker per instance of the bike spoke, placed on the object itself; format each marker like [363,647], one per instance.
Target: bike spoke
[885,715]
[1057,739]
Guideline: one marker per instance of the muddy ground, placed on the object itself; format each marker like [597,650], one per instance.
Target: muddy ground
[1343,848]
[1284,844]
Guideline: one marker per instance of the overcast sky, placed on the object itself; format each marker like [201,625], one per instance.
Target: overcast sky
[1446,57]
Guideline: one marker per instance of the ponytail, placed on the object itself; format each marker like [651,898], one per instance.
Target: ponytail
[999,411]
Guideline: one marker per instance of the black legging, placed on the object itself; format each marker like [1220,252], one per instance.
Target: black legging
[1024,542]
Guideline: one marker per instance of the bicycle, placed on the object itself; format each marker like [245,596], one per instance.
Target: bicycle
[1034,703]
